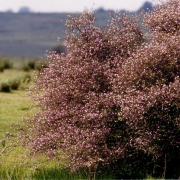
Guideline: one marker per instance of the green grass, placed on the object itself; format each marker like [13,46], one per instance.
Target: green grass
[14,106]
[11,73]
[16,163]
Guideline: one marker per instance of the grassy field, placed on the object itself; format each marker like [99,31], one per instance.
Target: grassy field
[14,106]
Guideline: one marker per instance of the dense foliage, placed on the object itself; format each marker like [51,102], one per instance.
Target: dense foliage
[113,100]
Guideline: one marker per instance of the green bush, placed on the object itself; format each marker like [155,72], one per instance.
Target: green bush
[1,68]
[26,78]
[5,64]
[34,65]
[15,83]
[5,87]
[25,68]
[29,65]
[41,65]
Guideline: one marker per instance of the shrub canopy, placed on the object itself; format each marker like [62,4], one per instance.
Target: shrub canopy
[112,97]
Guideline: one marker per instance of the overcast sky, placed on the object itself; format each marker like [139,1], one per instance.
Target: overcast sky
[70,5]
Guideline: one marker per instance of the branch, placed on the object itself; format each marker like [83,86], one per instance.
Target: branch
[164,173]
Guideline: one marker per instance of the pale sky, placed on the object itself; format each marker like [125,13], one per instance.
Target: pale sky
[70,5]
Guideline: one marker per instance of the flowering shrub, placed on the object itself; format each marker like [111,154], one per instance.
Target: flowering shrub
[147,88]
[113,97]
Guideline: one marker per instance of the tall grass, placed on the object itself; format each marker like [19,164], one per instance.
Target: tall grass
[43,174]
[16,163]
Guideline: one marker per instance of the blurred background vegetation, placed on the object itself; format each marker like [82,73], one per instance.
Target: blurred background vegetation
[28,34]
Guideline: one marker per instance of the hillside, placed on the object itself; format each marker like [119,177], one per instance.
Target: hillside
[31,34]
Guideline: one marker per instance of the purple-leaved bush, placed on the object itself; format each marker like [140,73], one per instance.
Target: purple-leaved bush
[112,97]
[148,91]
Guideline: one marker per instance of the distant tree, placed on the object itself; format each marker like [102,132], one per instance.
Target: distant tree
[122,11]
[9,11]
[59,49]
[147,6]
[100,10]
[24,10]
